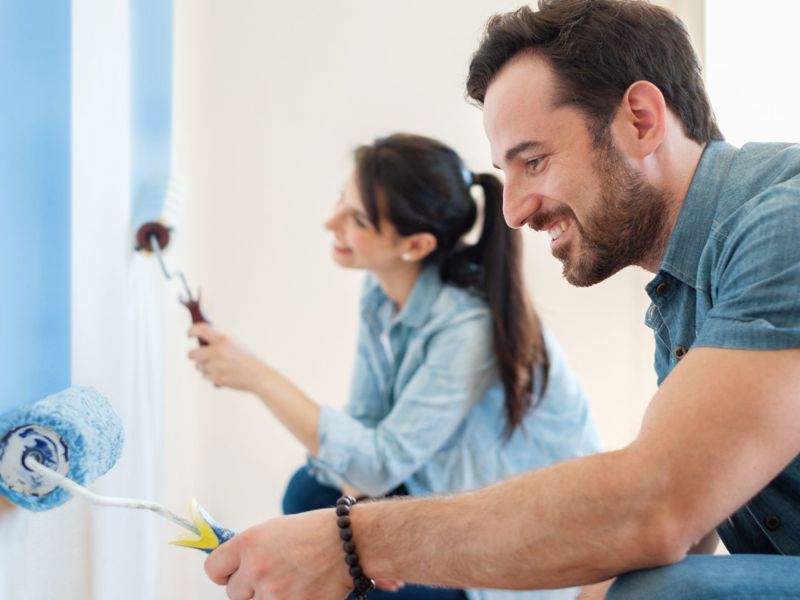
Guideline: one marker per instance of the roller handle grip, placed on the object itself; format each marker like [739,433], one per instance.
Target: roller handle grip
[223,535]
[212,534]
[197,315]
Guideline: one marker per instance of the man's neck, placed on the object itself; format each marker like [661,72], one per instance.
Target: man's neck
[675,165]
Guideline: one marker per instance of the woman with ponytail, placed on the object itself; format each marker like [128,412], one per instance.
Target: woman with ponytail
[456,383]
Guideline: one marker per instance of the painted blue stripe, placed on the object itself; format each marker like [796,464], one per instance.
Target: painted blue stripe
[35,291]
[151,89]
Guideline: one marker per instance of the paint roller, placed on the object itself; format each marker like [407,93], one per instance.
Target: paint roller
[152,224]
[74,432]
[54,447]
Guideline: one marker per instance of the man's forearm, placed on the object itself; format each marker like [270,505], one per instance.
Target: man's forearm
[521,534]
[707,545]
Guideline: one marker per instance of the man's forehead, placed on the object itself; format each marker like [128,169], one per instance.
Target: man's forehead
[525,77]
[517,104]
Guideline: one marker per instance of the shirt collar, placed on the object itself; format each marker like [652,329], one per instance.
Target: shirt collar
[690,235]
[417,308]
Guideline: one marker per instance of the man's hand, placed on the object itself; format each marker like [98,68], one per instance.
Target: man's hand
[596,591]
[298,557]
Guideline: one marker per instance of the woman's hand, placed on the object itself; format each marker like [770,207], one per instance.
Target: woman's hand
[349,490]
[224,363]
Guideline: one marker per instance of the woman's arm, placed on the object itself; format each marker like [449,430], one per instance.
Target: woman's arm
[441,378]
[457,369]
[225,364]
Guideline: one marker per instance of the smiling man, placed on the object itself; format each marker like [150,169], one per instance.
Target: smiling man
[596,112]
[601,213]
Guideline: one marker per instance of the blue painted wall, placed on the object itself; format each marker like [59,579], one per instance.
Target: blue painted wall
[34,200]
[151,104]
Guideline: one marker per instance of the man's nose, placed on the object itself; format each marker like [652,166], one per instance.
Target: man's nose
[519,204]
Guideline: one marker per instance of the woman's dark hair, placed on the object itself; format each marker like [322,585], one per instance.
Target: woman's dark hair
[597,49]
[421,185]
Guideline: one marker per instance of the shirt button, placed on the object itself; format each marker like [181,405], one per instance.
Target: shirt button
[772,522]
[651,312]
[662,288]
[680,352]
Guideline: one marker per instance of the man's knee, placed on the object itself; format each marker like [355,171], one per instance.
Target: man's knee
[636,586]
[684,580]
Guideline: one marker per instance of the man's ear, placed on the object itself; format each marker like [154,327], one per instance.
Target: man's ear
[641,122]
[417,246]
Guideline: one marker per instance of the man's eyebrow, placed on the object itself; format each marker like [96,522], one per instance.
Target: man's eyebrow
[511,153]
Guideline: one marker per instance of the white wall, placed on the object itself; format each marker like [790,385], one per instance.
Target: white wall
[117,306]
[271,97]
[752,75]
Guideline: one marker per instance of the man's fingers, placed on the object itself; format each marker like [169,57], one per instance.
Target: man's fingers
[389,585]
[239,589]
[223,562]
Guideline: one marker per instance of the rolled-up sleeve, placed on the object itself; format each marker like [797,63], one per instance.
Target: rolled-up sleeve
[756,304]
[454,371]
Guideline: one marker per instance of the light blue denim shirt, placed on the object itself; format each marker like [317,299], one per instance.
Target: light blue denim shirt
[427,408]
[730,278]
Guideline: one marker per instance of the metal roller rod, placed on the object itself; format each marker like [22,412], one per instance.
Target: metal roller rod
[157,250]
[78,490]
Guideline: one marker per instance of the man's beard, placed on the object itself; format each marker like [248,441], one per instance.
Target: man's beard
[628,225]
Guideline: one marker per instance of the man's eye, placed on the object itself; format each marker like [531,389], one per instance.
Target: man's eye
[535,164]
[532,165]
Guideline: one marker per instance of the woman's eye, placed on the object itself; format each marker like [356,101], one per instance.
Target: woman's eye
[359,220]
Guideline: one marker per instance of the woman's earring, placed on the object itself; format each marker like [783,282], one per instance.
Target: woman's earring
[406,256]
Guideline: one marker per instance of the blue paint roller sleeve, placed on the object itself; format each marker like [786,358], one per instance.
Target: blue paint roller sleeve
[74,432]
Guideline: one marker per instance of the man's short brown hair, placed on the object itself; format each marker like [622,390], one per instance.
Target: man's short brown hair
[597,49]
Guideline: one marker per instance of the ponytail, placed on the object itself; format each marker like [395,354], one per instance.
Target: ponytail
[494,266]
[425,186]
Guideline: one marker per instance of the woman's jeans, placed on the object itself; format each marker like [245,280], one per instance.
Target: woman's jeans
[304,493]
[706,577]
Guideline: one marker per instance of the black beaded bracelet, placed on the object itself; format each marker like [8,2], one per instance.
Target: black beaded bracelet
[362,584]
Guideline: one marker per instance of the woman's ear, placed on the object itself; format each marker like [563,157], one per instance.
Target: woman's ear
[417,246]
[641,122]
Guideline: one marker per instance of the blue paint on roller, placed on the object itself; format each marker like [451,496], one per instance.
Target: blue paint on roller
[89,437]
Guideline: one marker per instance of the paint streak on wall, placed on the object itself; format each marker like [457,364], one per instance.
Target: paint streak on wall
[34,201]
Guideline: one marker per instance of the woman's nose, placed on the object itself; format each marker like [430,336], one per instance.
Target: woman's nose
[333,220]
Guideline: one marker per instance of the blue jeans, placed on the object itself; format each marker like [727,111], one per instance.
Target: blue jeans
[304,493]
[705,577]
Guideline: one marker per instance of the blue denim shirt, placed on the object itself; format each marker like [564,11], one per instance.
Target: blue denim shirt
[427,407]
[730,278]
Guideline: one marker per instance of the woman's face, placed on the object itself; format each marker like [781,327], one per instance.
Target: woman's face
[356,242]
